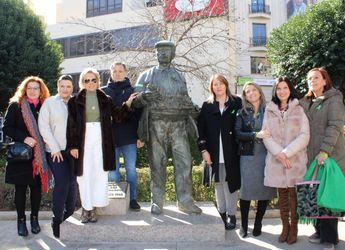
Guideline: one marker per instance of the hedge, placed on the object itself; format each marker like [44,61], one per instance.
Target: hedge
[200,193]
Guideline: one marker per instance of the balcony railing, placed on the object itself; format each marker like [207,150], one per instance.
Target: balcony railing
[258,41]
[259,8]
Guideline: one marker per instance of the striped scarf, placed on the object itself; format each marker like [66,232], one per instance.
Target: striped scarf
[39,163]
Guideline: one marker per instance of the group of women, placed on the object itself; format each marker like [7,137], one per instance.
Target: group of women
[71,137]
[266,149]
[257,148]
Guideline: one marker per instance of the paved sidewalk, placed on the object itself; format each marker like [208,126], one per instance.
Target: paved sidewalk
[141,230]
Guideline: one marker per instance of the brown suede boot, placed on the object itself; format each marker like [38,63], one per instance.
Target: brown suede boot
[284,213]
[292,237]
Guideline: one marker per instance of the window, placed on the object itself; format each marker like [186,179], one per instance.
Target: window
[138,37]
[77,46]
[258,6]
[259,34]
[135,37]
[152,3]
[259,65]
[108,42]
[63,44]
[102,7]
[105,75]
[91,44]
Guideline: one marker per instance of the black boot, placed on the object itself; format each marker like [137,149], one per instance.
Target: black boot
[225,220]
[232,221]
[35,227]
[56,227]
[244,207]
[262,205]
[21,226]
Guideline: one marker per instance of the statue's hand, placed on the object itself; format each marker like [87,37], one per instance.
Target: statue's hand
[150,96]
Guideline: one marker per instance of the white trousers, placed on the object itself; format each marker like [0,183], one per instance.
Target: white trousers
[93,184]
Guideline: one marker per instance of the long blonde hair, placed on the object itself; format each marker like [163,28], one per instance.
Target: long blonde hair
[245,102]
[21,89]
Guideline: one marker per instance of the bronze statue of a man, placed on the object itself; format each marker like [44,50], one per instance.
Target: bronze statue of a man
[166,121]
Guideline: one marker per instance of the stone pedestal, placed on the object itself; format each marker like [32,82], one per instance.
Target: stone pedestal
[118,195]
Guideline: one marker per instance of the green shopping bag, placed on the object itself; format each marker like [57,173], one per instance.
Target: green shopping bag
[331,193]
[312,190]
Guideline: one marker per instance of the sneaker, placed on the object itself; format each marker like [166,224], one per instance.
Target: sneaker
[133,204]
[314,238]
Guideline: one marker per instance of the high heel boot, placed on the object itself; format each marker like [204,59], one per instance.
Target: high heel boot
[260,212]
[292,237]
[56,227]
[244,207]
[284,213]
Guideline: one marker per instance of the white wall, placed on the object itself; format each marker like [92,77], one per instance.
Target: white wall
[72,21]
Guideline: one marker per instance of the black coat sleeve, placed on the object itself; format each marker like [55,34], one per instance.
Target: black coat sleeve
[202,142]
[12,127]
[240,134]
[73,137]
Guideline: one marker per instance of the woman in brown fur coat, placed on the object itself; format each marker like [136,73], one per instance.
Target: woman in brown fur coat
[89,141]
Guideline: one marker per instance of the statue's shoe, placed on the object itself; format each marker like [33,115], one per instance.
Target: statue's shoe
[189,208]
[156,209]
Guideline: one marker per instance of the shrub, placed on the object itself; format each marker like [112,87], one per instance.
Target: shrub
[200,193]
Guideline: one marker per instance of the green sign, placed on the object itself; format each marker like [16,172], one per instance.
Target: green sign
[242,80]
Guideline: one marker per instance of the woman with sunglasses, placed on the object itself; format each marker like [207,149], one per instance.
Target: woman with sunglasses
[89,141]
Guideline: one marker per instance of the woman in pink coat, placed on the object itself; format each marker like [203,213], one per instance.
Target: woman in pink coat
[286,160]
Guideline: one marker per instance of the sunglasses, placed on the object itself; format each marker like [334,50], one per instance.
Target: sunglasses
[93,80]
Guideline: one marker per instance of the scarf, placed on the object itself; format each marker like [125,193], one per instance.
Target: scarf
[39,162]
[34,102]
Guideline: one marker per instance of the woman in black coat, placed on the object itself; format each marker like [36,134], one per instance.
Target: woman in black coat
[20,124]
[218,146]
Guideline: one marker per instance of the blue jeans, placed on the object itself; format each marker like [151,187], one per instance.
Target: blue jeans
[129,153]
[65,189]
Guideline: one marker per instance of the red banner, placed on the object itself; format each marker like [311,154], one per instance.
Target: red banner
[177,10]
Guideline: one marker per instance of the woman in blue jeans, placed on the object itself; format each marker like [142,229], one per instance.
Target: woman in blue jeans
[52,123]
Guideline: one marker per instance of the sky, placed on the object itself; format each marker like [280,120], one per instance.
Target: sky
[45,8]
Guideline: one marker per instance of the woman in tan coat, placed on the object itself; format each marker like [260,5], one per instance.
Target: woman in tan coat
[286,160]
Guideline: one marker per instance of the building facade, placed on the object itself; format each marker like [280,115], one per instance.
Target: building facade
[93,33]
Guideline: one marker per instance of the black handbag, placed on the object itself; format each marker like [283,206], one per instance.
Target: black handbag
[207,175]
[18,152]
